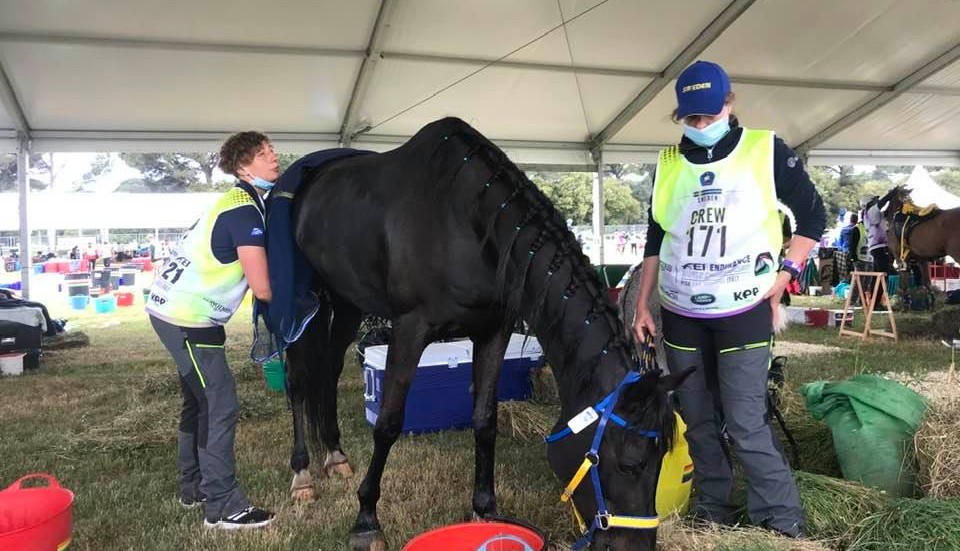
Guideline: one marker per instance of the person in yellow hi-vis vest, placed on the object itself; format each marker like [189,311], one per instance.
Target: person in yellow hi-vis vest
[196,291]
[713,240]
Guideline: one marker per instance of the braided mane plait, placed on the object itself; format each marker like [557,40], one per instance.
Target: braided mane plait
[540,221]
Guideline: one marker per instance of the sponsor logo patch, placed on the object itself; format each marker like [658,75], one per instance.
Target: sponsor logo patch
[703,299]
[746,294]
[695,87]
[256,231]
[764,264]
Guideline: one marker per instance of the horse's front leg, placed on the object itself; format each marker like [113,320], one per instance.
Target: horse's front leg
[487,358]
[409,340]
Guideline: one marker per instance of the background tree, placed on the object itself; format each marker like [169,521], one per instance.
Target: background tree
[8,171]
[171,172]
[572,194]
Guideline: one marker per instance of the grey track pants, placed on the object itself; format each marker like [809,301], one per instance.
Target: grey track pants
[732,355]
[208,419]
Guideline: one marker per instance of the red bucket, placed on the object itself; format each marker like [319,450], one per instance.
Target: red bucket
[479,536]
[36,519]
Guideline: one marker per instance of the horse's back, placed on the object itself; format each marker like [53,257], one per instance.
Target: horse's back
[385,231]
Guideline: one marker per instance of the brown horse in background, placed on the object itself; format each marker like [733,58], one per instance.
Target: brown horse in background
[927,237]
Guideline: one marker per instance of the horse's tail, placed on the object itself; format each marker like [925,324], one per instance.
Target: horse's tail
[308,380]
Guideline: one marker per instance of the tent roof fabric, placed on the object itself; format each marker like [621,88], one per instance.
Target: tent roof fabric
[858,79]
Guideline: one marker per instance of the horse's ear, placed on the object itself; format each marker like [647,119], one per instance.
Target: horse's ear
[674,380]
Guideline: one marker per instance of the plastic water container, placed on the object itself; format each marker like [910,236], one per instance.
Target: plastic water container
[105,304]
[38,268]
[11,364]
[676,476]
[37,518]
[124,299]
[79,302]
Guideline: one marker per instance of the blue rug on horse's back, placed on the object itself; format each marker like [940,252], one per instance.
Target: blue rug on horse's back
[294,303]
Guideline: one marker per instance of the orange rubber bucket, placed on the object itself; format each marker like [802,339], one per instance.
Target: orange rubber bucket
[479,536]
[36,519]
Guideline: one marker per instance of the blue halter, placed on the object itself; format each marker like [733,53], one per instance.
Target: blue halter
[604,520]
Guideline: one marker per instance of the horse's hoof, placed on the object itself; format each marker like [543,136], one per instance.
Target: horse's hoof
[368,541]
[301,489]
[303,495]
[343,470]
[336,464]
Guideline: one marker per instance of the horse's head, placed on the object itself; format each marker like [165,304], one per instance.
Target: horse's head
[621,449]
[893,200]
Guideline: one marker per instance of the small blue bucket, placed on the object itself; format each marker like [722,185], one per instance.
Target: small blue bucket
[79,302]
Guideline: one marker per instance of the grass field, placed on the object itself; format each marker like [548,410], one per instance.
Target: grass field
[103,420]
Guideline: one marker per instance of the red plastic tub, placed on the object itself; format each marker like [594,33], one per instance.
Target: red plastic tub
[36,519]
[479,536]
[817,318]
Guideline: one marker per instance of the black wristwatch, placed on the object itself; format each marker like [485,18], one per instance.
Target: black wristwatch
[791,268]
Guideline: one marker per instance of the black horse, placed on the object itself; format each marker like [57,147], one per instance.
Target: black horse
[444,236]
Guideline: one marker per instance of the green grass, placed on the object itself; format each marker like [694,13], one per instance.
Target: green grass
[103,420]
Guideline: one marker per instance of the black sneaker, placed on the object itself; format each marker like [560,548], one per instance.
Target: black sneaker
[191,503]
[251,517]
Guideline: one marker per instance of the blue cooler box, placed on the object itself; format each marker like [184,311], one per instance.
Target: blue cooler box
[440,397]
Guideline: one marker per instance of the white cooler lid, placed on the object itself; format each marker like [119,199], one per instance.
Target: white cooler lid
[438,353]
[515,348]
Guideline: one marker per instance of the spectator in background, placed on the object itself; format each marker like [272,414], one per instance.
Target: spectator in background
[90,255]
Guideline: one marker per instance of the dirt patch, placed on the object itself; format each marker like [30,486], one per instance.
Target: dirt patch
[791,349]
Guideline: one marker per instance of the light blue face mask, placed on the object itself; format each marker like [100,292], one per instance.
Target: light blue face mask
[709,135]
[262,184]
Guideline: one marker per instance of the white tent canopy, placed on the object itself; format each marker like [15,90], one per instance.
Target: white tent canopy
[854,80]
[924,191]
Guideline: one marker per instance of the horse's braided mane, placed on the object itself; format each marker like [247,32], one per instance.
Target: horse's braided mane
[538,215]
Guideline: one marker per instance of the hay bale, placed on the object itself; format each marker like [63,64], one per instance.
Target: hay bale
[525,421]
[911,525]
[835,508]
[937,450]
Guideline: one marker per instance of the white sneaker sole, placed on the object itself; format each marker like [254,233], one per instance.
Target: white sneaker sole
[224,525]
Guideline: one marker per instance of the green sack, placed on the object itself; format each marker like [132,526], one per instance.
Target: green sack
[873,421]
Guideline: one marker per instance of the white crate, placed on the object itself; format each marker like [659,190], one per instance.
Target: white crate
[11,364]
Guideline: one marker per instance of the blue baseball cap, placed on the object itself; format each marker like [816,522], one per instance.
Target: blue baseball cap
[702,89]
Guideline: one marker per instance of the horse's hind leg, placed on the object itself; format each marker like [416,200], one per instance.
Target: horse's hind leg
[343,331]
[407,344]
[487,358]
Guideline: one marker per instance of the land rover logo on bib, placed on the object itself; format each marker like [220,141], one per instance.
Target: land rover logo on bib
[707,178]
[764,264]
[703,299]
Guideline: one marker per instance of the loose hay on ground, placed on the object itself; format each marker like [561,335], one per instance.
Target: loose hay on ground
[835,508]
[912,525]
[679,535]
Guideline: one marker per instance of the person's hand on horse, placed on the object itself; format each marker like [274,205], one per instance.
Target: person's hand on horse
[644,328]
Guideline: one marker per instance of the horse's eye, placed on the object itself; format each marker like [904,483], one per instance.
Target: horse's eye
[630,469]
